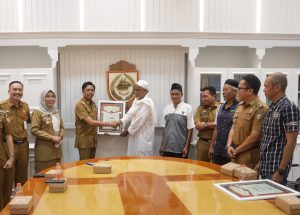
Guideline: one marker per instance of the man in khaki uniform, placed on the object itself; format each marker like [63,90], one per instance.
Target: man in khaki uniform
[205,121]
[6,161]
[86,123]
[18,116]
[243,140]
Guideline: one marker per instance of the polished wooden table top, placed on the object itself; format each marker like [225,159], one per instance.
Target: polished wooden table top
[141,185]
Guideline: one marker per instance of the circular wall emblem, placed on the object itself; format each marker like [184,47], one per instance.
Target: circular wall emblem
[122,87]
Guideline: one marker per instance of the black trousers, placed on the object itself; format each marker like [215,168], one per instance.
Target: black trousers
[174,155]
[221,160]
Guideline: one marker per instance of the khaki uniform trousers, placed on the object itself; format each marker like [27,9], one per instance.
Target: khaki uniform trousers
[20,170]
[249,158]
[87,153]
[42,165]
[202,150]
[6,184]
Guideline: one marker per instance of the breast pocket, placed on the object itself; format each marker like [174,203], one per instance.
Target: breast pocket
[46,120]
[246,122]
[204,116]
[235,116]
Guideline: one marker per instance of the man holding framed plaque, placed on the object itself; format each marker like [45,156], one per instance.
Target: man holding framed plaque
[142,116]
[109,111]
[86,123]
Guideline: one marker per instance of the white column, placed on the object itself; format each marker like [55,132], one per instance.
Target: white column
[260,53]
[192,76]
[53,53]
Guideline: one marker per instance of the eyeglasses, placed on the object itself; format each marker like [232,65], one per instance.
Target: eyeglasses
[242,88]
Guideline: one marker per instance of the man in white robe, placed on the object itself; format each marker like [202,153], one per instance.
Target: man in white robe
[142,116]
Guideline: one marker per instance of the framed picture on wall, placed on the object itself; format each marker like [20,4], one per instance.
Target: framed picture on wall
[110,111]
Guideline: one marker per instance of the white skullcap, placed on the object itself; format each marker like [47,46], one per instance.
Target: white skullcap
[143,84]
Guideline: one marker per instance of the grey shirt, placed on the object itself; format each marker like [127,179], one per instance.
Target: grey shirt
[177,123]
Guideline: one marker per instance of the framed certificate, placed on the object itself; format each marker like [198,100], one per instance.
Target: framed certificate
[110,111]
[256,189]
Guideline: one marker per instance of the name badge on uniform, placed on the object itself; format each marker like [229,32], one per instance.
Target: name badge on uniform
[23,115]
[276,115]
[25,125]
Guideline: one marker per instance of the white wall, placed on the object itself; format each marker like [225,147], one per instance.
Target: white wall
[284,57]
[228,57]
[159,65]
[24,57]
[8,15]
[226,16]
[34,80]
[50,15]
[112,15]
[280,16]
[237,16]
[172,15]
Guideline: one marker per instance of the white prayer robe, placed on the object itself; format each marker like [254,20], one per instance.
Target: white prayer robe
[142,115]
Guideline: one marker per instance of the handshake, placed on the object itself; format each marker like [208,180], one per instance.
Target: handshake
[114,124]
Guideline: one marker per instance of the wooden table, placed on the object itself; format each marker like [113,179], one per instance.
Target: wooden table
[141,185]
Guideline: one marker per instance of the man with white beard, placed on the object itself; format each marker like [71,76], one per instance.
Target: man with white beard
[142,116]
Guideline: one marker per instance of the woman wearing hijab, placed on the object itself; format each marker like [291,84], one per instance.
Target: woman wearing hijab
[48,128]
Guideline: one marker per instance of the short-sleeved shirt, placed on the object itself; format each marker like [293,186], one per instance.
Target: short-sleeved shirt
[86,135]
[3,132]
[248,118]
[206,114]
[16,118]
[281,118]
[177,121]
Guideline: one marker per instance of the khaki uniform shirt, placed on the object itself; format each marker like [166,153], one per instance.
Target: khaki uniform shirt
[3,132]
[206,114]
[17,118]
[248,117]
[86,135]
[42,128]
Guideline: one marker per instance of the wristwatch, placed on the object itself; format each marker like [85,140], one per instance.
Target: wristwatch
[280,171]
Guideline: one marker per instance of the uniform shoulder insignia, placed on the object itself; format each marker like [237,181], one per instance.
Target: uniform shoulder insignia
[25,103]
[83,103]
[3,102]
[241,102]
[259,105]
[259,116]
